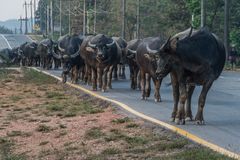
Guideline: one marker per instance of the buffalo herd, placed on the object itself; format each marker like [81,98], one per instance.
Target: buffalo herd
[192,57]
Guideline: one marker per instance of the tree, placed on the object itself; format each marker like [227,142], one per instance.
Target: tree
[4,30]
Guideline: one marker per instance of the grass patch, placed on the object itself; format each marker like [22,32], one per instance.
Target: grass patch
[43,143]
[111,151]
[6,148]
[197,154]
[94,133]
[121,120]
[132,125]
[15,98]
[44,128]
[35,77]
[55,95]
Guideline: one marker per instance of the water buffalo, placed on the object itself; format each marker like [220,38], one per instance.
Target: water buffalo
[69,47]
[193,58]
[102,53]
[148,65]
[9,55]
[27,52]
[45,52]
[121,66]
[130,52]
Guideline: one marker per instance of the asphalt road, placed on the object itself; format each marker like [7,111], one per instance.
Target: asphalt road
[12,40]
[221,113]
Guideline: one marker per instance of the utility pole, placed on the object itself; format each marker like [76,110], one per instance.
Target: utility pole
[226,27]
[95,16]
[60,1]
[84,17]
[26,18]
[88,28]
[47,21]
[51,18]
[203,13]
[123,18]
[69,18]
[21,24]
[138,23]
[34,11]
[31,5]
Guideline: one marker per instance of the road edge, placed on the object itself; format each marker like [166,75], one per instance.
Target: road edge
[153,120]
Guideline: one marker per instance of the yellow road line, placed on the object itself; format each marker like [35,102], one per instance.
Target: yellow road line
[166,125]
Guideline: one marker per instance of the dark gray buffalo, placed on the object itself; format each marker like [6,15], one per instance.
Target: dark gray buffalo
[192,58]
[27,52]
[45,51]
[130,53]
[120,68]
[101,54]
[148,65]
[69,47]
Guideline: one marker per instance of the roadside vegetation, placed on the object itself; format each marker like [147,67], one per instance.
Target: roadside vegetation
[42,118]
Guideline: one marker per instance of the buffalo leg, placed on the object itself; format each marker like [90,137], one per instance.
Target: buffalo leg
[94,79]
[123,75]
[157,85]
[201,102]
[109,76]
[143,82]
[175,87]
[148,85]
[99,77]
[105,73]
[115,75]
[180,118]
[188,110]
[131,69]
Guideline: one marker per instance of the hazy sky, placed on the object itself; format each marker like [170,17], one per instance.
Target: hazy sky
[11,9]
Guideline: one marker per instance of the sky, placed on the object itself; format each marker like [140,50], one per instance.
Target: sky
[11,9]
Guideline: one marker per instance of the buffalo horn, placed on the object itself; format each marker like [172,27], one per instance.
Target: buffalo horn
[110,44]
[61,49]
[91,45]
[132,51]
[151,51]
[75,54]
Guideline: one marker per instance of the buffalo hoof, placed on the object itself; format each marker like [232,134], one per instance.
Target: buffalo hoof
[143,98]
[157,100]
[188,119]
[64,79]
[110,87]
[94,89]
[104,90]
[198,122]
[179,121]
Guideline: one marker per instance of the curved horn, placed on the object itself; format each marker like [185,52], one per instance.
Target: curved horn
[110,44]
[45,45]
[131,56]
[61,49]
[31,47]
[132,51]
[56,55]
[190,32]
[151,51]
[165,44]
[75,54]
[91,45]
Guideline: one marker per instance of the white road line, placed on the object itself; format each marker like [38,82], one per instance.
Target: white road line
[6,41]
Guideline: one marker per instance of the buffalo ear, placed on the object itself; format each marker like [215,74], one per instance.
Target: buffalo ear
[89,49]
[147,56]
[173,43]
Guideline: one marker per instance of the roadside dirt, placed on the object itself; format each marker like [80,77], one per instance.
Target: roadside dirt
[41,118]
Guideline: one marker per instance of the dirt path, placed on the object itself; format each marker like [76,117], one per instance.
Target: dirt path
[41,118]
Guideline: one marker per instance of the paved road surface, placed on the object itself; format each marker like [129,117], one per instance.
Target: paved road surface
[11,40]
[222,109]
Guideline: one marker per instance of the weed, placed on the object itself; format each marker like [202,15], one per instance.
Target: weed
[132,125]
[43,143]
[111,151]
[94,133]
[121,120]
[44,128]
